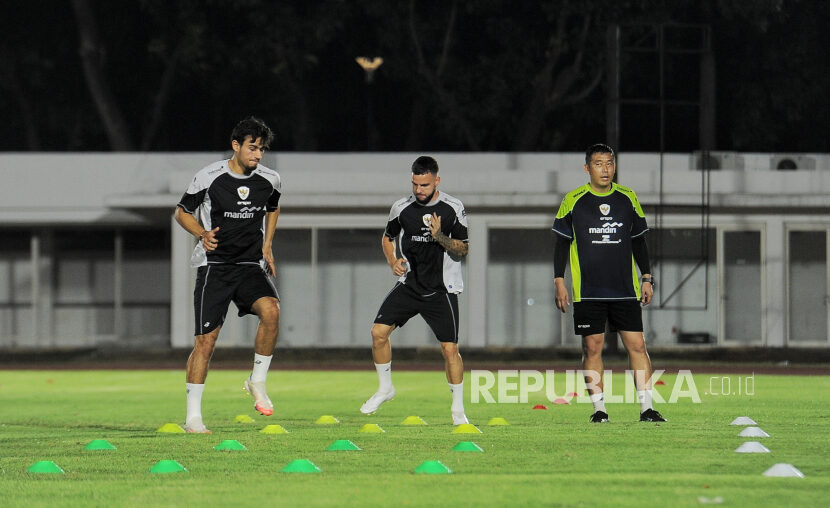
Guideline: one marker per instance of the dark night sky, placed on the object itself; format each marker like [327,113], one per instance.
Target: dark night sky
[292,64]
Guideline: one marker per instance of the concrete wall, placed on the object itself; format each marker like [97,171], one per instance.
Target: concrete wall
[351,193]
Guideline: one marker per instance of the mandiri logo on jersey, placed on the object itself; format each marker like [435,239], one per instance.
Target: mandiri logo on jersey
[243,192]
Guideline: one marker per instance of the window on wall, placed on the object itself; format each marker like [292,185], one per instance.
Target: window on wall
[145,284]
[16,280]
[683,261]
[520,292]
[84,284]
[292,257]
[742,286]
[95,285]
[808,299]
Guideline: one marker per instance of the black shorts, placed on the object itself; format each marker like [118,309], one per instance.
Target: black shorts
[439,310]
[218,285]
[622,315]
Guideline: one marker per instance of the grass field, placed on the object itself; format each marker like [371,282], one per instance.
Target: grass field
[543,458]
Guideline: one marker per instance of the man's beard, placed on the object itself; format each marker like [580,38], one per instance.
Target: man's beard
[425,200]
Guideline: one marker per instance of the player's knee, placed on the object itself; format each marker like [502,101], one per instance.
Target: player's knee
[637,348]
[205,343]
[592,348]
[380,336]
[450,350]
[269,313]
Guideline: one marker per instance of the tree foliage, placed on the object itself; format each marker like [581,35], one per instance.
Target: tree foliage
[457,74]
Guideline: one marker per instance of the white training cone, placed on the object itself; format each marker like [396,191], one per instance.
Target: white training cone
[782,469]
[753,432]
[752,447]
[743,420]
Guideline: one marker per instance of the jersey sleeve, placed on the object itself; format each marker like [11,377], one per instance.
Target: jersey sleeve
[393,224]
[563,224]
[639,226]
[193,196]
[459,228]
[273,201]
[274,198]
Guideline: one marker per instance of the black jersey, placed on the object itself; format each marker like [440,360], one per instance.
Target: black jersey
[600,227]
[430,269]
[236,204]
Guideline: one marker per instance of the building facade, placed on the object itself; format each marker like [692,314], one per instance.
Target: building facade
[90,255]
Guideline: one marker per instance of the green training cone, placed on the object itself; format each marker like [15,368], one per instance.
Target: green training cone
[372,428]
[171,428]
[413,420]
[343,445]
[327,420]
[45,466]
[466,428]
[273,429]
[497,421]
[432,467]
[167,466]
[243,419]
[99,444]
[301,466]
[467,446]
[230,445]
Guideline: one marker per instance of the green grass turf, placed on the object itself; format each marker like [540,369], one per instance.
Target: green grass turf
[549,458]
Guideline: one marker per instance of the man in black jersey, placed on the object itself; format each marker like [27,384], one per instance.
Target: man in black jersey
[238,205]
[430,228]
[601,227]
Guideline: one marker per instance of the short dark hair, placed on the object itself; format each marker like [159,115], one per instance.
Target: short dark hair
[424,164]
[598,148]
[255,128]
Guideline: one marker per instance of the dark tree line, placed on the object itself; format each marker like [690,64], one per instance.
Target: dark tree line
[500,75]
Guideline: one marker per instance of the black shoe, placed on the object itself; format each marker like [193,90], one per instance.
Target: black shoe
[599,417]
[650,415]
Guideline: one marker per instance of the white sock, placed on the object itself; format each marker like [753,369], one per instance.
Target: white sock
[598,400]
[457,397]
[644,398]
[384,376]
[261,365]
[194,401]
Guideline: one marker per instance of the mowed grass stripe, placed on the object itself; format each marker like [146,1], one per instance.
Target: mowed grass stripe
[551,457]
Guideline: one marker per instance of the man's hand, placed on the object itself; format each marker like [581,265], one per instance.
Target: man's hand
[398,267]
[456,248]
[646,293]
[209,241]
[562,298]
[435,225]
[268,256]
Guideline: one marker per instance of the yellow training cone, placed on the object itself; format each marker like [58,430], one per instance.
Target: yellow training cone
[466,428]
[273,429]
[171,428]
[497,421]
[372,428]
[327,420]
[243,419]
[413,420]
